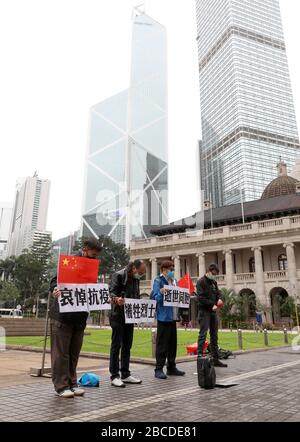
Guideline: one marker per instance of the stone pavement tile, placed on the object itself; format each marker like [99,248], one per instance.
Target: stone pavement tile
[253,399]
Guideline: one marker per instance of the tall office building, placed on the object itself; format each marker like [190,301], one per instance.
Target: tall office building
[127,171]
[64,246]
[5,221]
[248,117]
[296,170]
[29,213]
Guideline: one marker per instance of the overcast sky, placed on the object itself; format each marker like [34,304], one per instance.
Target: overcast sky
[59,57]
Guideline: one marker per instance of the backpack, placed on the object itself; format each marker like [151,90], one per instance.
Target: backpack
[151,296]
[206,373]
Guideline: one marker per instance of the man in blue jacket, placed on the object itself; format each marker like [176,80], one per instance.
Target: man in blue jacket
[166,342]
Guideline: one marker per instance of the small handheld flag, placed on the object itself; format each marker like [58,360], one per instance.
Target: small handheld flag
[77,270]
[186,283]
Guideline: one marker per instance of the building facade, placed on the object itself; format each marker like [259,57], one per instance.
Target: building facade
[41,242]
[127,168]
[248,117]
[5,221]
[29,213]
[65,245]
[259,257]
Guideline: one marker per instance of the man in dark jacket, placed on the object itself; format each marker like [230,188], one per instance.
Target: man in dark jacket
[67,331]
[124,284]
[208,295]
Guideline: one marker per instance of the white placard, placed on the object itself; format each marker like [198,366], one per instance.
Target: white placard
[176,297]
[139,311]
[98,297]
[83,298]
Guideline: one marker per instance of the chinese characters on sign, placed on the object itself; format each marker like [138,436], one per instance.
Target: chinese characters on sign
[83,298]
[176,297]
[139,311]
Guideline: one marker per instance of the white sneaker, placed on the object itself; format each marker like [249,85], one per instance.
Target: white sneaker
[117,382]
[131,380]
[78,391]
[65,393]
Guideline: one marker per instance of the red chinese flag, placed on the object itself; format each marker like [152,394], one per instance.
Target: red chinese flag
[186,283]
[77,270]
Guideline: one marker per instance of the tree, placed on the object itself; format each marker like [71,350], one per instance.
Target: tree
[287,306]
[235,306]
[229,297]
[29,274]
[9,295]
[113,257]
[7,268]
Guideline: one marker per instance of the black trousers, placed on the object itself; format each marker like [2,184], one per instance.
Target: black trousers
[166,345]
[208,320]
[122,337]
[66,343]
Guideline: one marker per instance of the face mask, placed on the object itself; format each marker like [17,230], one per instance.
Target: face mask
[137,276]
[211,276]
[170,275]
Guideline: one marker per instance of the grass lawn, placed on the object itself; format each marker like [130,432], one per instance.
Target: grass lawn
[99,341]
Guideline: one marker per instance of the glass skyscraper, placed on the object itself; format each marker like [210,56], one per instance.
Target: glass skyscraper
[127,170]
[248,117]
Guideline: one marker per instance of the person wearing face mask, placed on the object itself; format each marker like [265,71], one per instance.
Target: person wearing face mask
[124,284]
[166,341]
[67,331]
[209,301]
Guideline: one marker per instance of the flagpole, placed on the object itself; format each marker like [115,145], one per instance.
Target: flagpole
[242,204]
[211,212]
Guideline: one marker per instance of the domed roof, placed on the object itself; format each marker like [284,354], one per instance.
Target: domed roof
[282,185]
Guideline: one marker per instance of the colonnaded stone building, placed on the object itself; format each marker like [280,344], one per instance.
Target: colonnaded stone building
[257,245]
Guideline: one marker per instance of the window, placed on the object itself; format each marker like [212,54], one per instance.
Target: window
[252,265]
[282,262]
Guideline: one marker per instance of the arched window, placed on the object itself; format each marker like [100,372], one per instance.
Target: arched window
[282,262]
[252,265]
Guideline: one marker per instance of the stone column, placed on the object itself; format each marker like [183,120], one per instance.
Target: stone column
[176,260]
[148,270]
[202,265]
[292,268]
[229,269]
[189,265]
[259,276]
[153,268]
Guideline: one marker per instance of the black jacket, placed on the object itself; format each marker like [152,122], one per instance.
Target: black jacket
[77,320]
[122,286]
[208,293]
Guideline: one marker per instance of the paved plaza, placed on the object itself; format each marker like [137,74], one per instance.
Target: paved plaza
[268,389]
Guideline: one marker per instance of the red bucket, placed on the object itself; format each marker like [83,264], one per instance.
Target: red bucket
[192,349]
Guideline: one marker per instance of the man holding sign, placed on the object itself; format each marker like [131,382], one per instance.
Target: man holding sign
[166,342]
[67,329]
[125,284]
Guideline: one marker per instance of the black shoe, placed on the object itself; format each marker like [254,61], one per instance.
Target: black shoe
[175,372]
[218,363]
[159,374]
